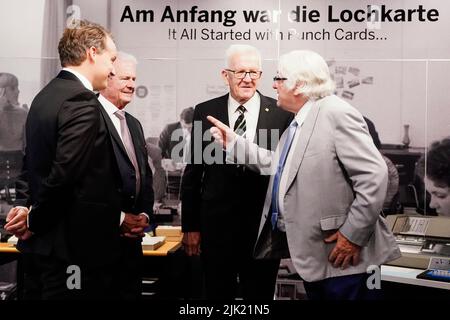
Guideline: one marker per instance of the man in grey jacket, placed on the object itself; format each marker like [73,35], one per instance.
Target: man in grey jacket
[328,183]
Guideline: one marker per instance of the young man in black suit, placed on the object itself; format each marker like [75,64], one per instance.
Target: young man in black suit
[222,203]
[69,196]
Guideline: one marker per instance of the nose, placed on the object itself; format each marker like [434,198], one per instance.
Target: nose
[275,85]
[433,202]
[247,78]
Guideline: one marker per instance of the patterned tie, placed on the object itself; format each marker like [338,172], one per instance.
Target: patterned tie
[129,147]
[240,125]
[276,181]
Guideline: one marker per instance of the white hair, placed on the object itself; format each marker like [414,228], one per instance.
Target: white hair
[307,67]
[123,56]
[235,49]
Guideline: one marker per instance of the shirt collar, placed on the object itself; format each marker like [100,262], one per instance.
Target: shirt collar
[107,105]
[86,83]
[252,105]
[303,112]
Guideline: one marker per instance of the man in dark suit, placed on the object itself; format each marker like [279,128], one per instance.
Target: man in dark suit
[222,203]
[131,154]
[70,194]
[175,133]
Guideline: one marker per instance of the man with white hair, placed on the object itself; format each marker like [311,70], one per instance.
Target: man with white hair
[128,142]
[222,203]
[327,186]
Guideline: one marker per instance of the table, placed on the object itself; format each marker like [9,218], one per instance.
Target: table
[162,266]
[167,248]
[400,283]
[408,276]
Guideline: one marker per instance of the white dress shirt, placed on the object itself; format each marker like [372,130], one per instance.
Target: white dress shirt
[251,115]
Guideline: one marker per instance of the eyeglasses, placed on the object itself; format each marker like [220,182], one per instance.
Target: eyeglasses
[242,74]
[278,78]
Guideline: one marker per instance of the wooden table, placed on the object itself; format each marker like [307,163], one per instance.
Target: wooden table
[167,248]
[160,265]
[8,248]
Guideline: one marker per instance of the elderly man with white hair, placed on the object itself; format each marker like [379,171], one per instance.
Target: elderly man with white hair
[328,183]
[137,196]
[221,202]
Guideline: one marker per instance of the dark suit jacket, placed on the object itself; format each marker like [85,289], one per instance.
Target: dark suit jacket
[130,201]
[71,176]
[165,142]
[224,201]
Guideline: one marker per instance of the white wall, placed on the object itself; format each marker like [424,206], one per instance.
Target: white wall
[21,24]
[409,85]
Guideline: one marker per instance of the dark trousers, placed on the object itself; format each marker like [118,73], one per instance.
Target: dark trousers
[47,278]
[351,287]
[256,278]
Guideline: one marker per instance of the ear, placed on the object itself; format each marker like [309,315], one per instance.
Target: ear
[301,84]
[91,54]
[225,76]
[298,87]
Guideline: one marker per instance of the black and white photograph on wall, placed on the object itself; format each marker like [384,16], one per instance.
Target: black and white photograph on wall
[384,65]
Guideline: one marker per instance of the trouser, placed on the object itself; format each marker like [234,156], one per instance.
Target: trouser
[351,287]
[50,278]
[227,276]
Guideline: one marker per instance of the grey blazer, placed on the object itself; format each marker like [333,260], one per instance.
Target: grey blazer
[337,180]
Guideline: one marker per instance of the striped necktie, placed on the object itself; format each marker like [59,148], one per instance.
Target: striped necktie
[240,125]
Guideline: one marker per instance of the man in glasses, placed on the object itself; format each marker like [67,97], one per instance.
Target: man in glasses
[222,203]
[327,187]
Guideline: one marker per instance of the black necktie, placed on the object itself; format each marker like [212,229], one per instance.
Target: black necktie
[240,125]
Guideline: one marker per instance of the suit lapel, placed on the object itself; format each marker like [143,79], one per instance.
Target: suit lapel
[222,110]
[115,138]
[264,119]
[303,140]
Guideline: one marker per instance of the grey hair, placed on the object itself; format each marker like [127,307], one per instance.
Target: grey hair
[307,67]
[123,56]
[240,49]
